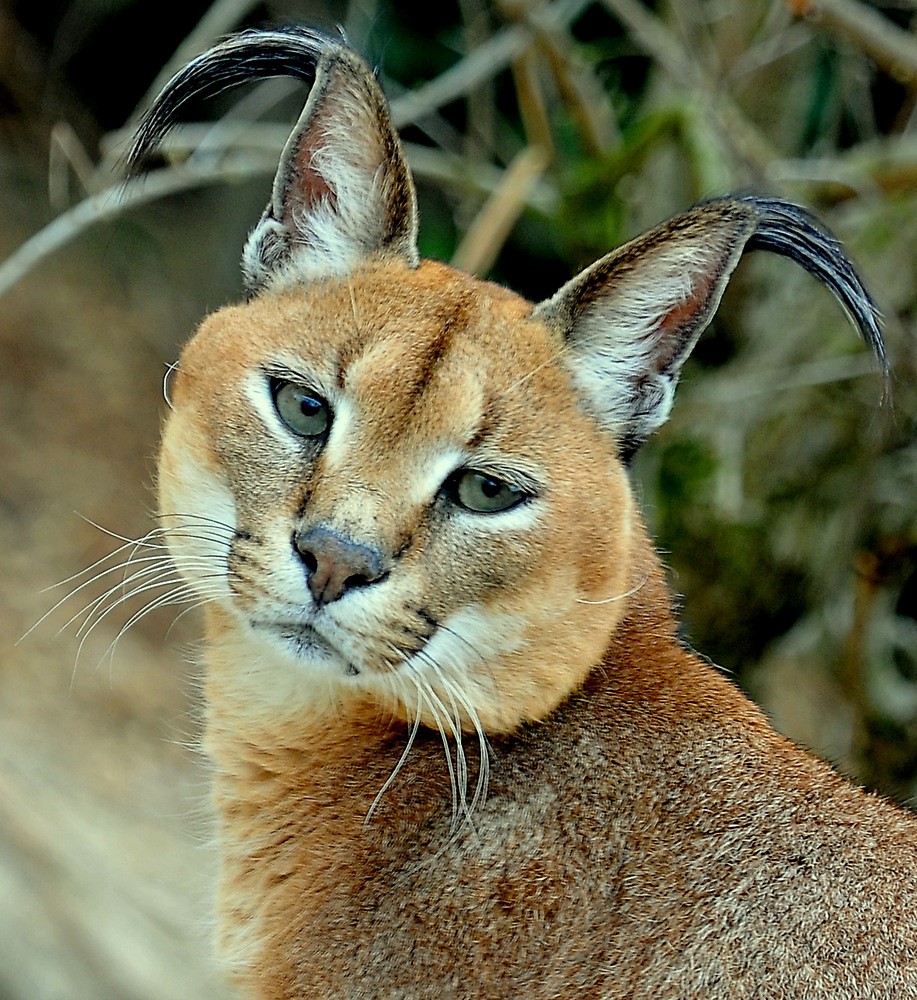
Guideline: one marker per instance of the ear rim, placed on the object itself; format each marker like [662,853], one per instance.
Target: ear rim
[592,282]
[634,401]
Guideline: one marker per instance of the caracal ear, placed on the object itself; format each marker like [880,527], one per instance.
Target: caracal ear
[343,192]
[632,318]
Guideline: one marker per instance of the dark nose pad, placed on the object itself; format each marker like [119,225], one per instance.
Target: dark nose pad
[336,565]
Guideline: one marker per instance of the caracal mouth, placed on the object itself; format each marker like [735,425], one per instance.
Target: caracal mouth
[305,644]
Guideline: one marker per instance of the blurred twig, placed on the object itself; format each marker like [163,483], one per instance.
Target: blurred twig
[482,64]
[533,108]
[888,166]
[469,72]
[67,154]
[735,389]
[580,90]
[479,141]
[574,80]
[652,35]
[487,234]
[111,203]
[256,155]
[892,48]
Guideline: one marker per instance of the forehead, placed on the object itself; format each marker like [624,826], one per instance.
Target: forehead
[402,342]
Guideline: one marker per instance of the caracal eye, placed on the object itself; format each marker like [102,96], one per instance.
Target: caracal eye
[304,412]
[483,494]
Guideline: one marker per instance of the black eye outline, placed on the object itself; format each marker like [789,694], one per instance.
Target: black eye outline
[483,493]
[292,403]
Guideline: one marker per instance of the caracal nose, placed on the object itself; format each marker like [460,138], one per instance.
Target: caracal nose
[336,565]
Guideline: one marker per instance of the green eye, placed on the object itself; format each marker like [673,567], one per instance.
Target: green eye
[483,494]
[305,413]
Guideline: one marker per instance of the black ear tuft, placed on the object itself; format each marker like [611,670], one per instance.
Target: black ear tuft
[343,192]
[249,55]
[789,230]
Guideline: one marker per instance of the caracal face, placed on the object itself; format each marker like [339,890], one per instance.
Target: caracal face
[447,446]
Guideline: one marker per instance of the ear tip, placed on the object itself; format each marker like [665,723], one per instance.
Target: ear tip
[252,54]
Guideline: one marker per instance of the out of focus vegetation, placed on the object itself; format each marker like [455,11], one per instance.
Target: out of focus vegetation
[542,135]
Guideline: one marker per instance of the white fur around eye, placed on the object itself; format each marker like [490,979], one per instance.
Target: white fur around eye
[257,388]
[433,472]
[340,436]
[524,516]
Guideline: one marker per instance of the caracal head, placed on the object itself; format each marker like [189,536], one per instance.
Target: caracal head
[393,484]
[409,442]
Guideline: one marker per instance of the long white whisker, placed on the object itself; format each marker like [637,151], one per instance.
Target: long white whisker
[203,599]
[178,595]
[133,560]
[460,773]
[100,561]
[618,597]
[188,520]
[461,762]
[125,564]
[161,574]
[437,711]
[480,791]
[412,736]
[94,620]
[161,566]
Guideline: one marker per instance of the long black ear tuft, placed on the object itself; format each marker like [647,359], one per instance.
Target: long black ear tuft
[631,319]
[343,192]
[791,231]
[249,55]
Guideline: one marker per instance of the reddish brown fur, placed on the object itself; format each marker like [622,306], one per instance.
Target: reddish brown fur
[681,842]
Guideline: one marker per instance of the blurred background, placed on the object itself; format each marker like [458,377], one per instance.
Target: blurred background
[782,492]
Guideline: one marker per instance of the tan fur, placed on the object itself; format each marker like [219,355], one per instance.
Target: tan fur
[485,766]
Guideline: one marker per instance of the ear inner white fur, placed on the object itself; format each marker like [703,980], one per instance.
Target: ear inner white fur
[631,320]
[342,192]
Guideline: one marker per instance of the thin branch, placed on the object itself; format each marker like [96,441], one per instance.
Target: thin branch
[469,72]
[653,37]
[479,141]
[649,32]
[65,154]
[533,108]
[489,231]
[735,389]
[253,153]
[109,204]
[891,48]
[884,165]
[447,170]
[581,91]
[482,64]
